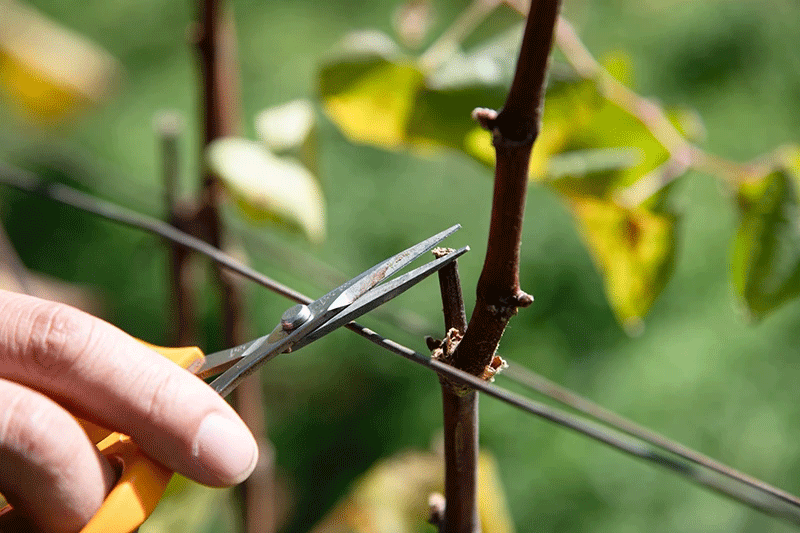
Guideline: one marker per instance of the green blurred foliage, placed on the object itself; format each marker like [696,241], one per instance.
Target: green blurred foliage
[698,372]
[766,259]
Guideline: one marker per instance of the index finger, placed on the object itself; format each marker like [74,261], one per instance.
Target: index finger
[102,374]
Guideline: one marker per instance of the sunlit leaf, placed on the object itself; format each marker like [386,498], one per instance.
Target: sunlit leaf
[269,188]
[290,130]
[47,70]
[491,64]
[578,117]
[593,161]
[370,92]
[392,497]
[586,146]
[766,257]
[634,250]
[286,127]
[442,114]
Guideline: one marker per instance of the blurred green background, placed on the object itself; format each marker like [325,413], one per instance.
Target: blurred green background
[699,373]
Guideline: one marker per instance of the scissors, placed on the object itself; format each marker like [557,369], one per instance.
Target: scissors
[142,480]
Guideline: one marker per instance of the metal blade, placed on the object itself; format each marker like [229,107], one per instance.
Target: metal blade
[368,279]
[380,295]
[256,353]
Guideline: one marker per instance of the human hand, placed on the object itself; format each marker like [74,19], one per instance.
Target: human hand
[54,358]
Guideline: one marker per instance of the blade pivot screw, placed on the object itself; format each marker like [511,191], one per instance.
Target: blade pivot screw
[295,316]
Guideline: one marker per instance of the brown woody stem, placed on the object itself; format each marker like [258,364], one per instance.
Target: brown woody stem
[460,411]
[514,131]
[169,129]
[460,460]
[216,45]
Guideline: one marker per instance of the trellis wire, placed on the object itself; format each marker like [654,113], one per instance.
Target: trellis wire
[672,455]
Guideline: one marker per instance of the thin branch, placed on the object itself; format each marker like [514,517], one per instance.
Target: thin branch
[514,131]
[219,109]
[169,128]
[460,415]
[452,299]
[762,497]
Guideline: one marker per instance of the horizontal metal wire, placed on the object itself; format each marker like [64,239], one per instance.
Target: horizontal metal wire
[626,437]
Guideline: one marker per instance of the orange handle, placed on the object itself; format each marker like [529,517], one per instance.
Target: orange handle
[137,492]
[142,481]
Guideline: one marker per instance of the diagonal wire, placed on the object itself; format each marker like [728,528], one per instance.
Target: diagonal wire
[29,182]
[693,465]
[563,395]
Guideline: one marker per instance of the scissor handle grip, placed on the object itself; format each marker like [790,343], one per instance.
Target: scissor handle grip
[136,494]
[142,481]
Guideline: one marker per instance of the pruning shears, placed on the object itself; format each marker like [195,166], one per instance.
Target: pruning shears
[142,481]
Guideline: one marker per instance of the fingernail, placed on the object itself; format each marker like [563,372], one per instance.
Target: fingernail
[226,450]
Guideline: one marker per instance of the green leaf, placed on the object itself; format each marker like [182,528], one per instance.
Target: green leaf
[578,117]
[268,188]
[442,113]
[443,117]
[369,93]
[491,64]
[766,258]
[634,250]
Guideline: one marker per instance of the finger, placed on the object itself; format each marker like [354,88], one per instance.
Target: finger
[49,470]
[104,375]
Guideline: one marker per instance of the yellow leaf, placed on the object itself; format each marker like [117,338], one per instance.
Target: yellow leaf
[634,250]
[49,71]
[373,104]
[392,497]
[269,188]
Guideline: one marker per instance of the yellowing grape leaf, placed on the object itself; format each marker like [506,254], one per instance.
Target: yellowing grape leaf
[47,70]
[392,497]
[269,188]
[369,93]
[766,256]
[634,250]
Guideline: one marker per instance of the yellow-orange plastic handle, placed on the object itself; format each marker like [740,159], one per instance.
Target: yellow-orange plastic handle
[142,481]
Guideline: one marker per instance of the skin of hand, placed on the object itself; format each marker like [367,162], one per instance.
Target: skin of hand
[56,360]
